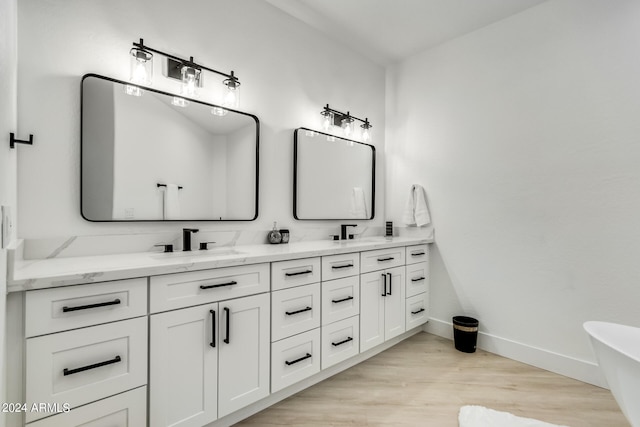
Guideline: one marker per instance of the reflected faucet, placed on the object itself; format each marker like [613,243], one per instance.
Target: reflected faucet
[186,238]
[343,230]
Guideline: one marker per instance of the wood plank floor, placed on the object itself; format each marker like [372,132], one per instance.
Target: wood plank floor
[424,381]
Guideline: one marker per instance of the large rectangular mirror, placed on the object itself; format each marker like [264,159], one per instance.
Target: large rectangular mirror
[144,158]
[333,178]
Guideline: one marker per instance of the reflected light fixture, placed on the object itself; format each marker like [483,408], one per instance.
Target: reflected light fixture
[332,118]
[186,70]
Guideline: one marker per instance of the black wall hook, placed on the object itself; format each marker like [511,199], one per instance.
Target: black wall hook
[13,141]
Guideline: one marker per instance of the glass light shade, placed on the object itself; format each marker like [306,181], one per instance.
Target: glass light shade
[366,132]
[347,126]
[190,78]
[327,120]
[231,94]
[141,66]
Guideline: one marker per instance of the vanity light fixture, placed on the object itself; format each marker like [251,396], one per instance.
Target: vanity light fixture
[185,70]
[331,118]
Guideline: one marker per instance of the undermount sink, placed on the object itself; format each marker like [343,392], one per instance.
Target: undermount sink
[197,253]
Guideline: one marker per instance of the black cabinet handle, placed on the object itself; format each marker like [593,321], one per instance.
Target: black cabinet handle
[419,311]
[417,253]
[213,328]
[417,279]
[86,307]
[298,360]
[336,267]
[219,286]
[337,301]
[384,284]
[66,371]
[390,282]
[335,344]
[291,313]
[385,259]
[299,273]
[228,315]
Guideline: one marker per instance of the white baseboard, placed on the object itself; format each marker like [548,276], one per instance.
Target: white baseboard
[578,369]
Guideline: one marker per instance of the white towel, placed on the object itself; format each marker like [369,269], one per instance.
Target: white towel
[171,206]
[416,211]
[358,204]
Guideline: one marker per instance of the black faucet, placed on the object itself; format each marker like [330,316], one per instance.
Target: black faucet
[186,238]
[343,230]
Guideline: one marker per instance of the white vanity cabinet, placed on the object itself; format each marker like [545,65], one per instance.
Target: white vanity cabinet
[209,360]
[417,305]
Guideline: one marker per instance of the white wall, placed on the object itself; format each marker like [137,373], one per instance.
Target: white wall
[526,136]
[8,108]
[288,72]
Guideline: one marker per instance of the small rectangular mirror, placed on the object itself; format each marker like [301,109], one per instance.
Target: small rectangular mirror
[152,158]
[333,177]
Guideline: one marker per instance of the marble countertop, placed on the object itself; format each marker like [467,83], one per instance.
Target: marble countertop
[45,273]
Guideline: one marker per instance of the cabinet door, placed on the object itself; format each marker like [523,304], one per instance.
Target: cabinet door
[244,352]
[371,310]
[183,367]
[395,304]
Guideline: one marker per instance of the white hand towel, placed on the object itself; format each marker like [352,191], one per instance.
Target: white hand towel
[171,202]
[358,204]
[416,211]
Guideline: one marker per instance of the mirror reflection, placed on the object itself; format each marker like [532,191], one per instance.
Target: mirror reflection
[334,178]
[150,158]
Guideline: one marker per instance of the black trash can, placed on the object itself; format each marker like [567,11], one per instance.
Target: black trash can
[465,333]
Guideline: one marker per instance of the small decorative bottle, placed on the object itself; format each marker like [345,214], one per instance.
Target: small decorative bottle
[274,235]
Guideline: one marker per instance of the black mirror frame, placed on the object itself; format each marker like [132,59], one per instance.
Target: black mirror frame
[255,216]
[295,177]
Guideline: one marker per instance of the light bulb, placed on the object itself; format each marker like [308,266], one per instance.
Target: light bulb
[231,96]
[190,76]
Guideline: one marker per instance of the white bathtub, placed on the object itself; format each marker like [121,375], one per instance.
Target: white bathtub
[617,348]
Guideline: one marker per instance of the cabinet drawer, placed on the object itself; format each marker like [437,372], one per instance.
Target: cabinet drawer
[340,341]
[287,274]
[381,259]
[340,299]
[417,278]
[294,359]
[339,266]
[86,365]
[295,310]
[417,310]
[122,410]
[417,253]
[71,307]
[171,291]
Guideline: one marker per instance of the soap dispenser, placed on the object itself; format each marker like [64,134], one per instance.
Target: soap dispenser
[274,235]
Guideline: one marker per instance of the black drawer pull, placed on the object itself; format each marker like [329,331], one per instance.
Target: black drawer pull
[213,328]
[419,311]
[233,282]
[337,301]
[417,279]
[336,267]
[291,313]
[385,259]
[86,307]
[298,360]
[299,273]
[95,365]
[417,253]
[335,344]
[228,314]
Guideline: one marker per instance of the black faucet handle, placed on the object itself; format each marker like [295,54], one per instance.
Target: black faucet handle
[167,248]
[204,245]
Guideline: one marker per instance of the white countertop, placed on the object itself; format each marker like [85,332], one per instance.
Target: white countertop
[45,273]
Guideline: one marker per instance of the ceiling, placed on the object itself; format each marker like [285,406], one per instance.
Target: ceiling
[388,31]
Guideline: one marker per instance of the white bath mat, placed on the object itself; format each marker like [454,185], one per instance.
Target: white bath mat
[479,416]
